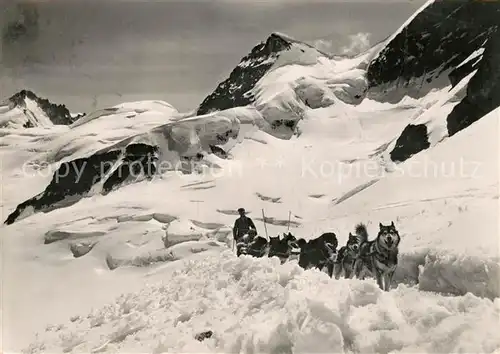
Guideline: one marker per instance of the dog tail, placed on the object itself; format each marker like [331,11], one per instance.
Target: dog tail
[361,232]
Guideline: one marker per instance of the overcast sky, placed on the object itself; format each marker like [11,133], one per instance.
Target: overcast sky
[173,50]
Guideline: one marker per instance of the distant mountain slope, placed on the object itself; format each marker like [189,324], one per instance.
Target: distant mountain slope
[104,128]
[444,43]
[278,50]
[179,146]
[26,109]
[422,55]
[232,91]
[280,77]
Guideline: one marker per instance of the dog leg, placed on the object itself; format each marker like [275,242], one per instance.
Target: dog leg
[358,266]
[380,279]
[362,270]
[365,272]
[330,269]
[348,271]
[388,279]
[337,270]
[384,280]
[303,262]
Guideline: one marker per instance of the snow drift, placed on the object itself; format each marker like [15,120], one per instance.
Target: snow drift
[261,306]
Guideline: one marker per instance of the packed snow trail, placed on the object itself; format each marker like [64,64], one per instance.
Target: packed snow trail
[259,306]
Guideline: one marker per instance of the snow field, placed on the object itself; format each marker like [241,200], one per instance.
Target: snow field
[259,306]
[156,252]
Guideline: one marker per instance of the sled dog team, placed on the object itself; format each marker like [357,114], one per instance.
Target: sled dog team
[360,257]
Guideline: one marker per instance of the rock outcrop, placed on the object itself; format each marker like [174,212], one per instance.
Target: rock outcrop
[429,49]
[444,43]
[483,91]
[233,92]
[412,140]
[75,179]
[178,146]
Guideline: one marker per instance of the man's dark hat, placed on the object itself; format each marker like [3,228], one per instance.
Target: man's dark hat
[241,210]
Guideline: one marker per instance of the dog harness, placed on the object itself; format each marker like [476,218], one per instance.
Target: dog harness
[375,251]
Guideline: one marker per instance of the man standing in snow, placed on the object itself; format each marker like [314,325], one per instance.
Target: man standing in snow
[242,225]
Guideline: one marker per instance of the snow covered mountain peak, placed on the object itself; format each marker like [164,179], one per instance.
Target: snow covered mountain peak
[26,109]
[235,90]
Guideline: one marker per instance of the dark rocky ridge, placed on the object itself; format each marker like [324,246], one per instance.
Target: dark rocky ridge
[232,92]
[483,91]
[430,47]
[57,113]
[74,179]
[428,54]
[124,163]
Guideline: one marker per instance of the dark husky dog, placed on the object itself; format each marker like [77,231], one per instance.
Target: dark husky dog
[290,239]
[281,248]
[346,257]
[319,252]
[257,248]
[378,257]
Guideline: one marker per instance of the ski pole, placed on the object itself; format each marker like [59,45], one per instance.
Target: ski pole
[265,226]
